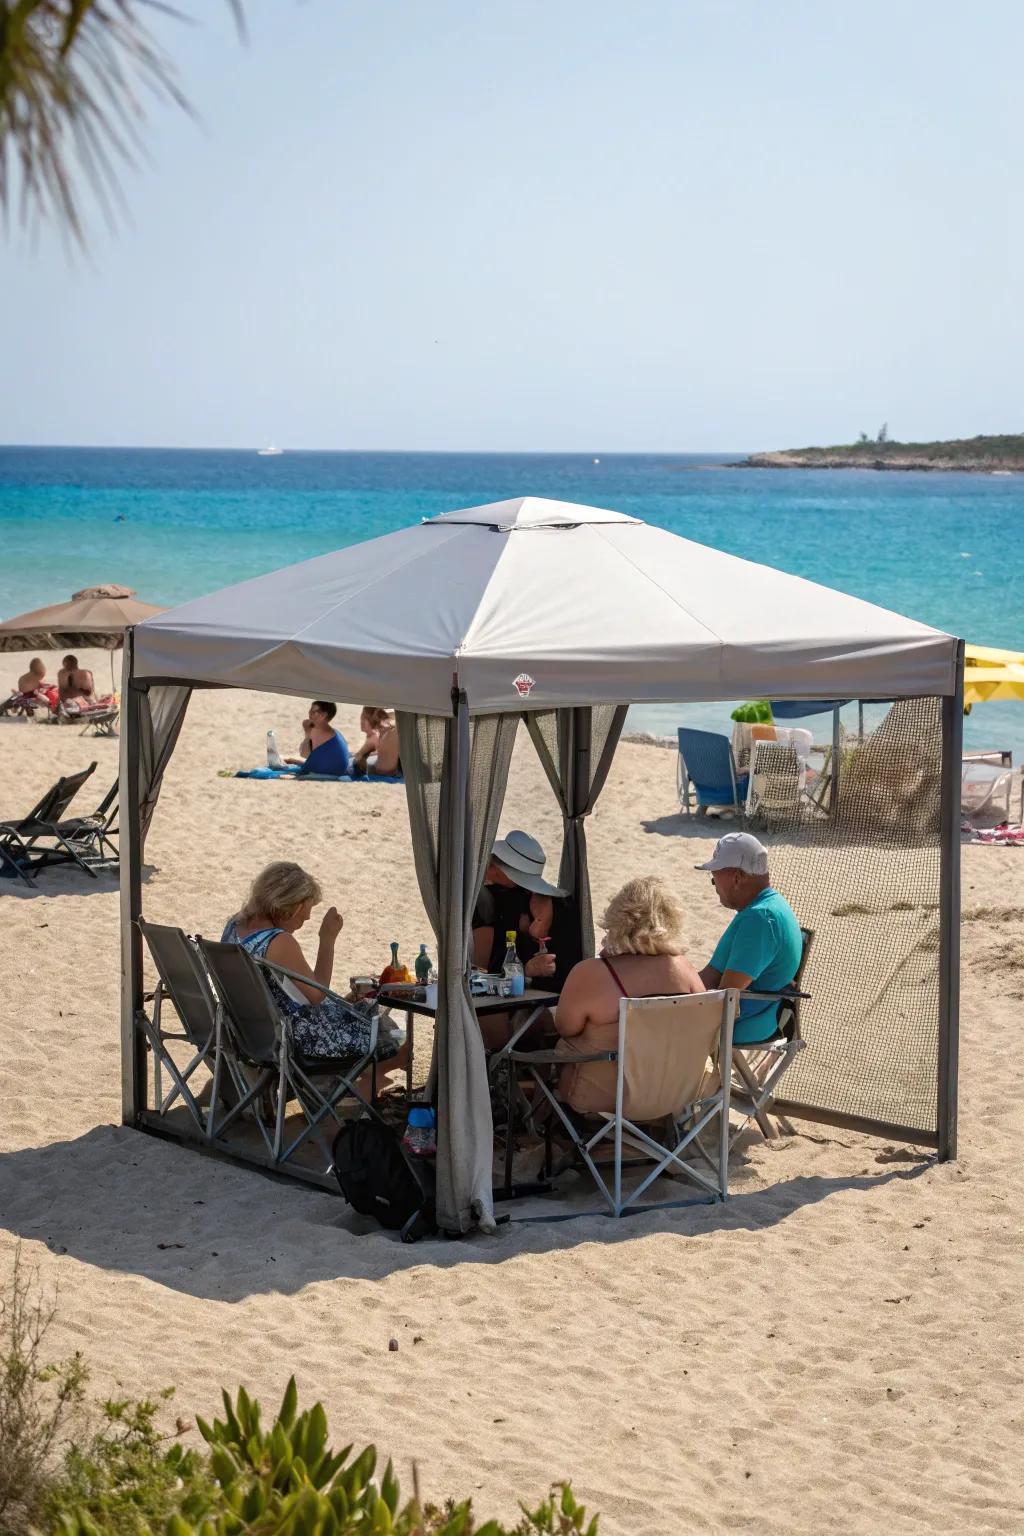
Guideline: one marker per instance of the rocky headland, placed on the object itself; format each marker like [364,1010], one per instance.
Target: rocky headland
[979,455]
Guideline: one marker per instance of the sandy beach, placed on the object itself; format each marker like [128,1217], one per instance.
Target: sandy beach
[838,1348]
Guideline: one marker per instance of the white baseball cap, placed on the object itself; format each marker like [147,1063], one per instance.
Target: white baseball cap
[738,850]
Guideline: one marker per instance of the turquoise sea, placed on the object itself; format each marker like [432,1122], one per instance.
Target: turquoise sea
[941,548]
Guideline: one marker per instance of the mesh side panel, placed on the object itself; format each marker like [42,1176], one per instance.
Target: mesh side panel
[862,869]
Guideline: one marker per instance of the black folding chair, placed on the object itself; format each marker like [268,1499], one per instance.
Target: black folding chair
[260,1039]
[91,838]
[184,983]
[758,1066]
[29,845]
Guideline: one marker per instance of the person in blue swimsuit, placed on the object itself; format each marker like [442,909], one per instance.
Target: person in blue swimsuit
[280,901]
[761,948]
[324,750]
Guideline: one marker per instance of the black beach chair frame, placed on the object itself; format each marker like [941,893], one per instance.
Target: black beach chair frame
[92,837]
[257,1038]
[183,981]
[20,840]
[759,1065]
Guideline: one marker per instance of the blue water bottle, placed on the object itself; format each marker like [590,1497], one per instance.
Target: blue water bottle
[420,1139]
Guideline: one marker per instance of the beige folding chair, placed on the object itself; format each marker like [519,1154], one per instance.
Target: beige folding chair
[661,1084]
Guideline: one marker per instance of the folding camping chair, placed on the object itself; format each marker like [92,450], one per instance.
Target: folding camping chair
[259,1039]
[706,766]
[775,790]
[19,839]
[661,1080]
[90,838]
[23,706]
[100,722]
[759,1065]
[184,983]
[95,720]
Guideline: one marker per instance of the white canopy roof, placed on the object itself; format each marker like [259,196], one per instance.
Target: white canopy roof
[540,604]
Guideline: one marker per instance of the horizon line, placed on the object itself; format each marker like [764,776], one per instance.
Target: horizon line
[464,452]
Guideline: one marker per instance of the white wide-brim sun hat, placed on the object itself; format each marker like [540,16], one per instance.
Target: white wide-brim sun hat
[523,859]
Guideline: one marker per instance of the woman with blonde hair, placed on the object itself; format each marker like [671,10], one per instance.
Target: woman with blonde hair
[642,956]
[281,899]
[378,755]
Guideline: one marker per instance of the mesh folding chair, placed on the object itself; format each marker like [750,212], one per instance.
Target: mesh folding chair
[23,705]
[184,983]
[662,1085]
[759,1066]
[260,1039]
[775,790]
[100,722]
[33,842]
[89,839]
[95,720]
[707,768]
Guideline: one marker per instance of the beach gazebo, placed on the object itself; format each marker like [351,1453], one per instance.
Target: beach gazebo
[563,615]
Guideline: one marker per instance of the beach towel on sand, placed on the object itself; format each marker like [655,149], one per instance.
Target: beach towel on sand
[315,778]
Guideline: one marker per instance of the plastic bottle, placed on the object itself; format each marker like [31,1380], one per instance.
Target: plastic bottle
[513,967]
[423,967]
[396,970]
[420,1138]
[274,758]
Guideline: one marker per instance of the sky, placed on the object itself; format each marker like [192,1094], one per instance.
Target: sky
[683,225]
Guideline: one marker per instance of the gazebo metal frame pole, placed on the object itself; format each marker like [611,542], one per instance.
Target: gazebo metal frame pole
[949,915]
[582,724]
[133,1060]
[837,756]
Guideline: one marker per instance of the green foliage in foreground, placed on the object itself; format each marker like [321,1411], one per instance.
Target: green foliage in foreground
[286,1480]
[61,1475]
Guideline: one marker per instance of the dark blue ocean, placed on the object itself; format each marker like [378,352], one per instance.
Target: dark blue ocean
[944,549]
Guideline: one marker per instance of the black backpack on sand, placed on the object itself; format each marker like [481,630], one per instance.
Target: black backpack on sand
[378,1178]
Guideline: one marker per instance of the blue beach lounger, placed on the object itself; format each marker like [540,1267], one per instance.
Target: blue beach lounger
[706,764]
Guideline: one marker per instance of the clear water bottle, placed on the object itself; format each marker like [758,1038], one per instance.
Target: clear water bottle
[512,969]
[423,967]
[420,1139]
[274,758]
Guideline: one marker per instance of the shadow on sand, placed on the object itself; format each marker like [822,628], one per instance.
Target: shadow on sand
[698,828]
[132,1203]
[66,880]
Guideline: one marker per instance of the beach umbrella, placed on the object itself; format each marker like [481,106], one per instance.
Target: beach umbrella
[992,674]
[96,616]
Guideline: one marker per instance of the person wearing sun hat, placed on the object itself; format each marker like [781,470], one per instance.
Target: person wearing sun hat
[760,950]
[516,896]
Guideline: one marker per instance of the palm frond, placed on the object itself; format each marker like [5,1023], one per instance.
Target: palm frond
[75,79]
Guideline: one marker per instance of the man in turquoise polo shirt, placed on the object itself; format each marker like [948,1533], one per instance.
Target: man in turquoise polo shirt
[761,948]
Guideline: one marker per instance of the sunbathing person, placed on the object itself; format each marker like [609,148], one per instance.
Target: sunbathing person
[642,956]
[762,946]
[280,901]
[378,754]
[75,684]
[324,750]
[34,680]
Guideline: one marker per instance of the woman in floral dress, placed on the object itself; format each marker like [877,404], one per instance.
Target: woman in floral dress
[281,900]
